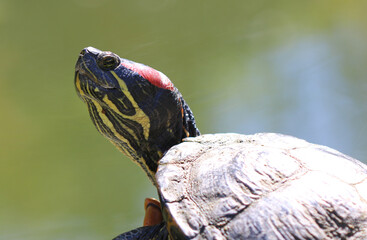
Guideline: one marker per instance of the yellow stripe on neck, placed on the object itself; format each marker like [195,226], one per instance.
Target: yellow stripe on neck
[139,116]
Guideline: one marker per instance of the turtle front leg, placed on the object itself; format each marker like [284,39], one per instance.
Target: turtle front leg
[156,232]
[153,226]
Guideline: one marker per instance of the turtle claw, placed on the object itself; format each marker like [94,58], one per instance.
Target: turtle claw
[153,212]
[153,226]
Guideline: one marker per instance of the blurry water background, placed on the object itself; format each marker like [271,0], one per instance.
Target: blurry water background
[294,67]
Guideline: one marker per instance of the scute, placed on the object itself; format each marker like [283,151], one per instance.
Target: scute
[362,189]
[331,162]
[263,186]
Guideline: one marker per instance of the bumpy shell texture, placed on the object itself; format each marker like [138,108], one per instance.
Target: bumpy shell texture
[263,186]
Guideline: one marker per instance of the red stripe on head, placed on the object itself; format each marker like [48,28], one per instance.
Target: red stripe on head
[153,76]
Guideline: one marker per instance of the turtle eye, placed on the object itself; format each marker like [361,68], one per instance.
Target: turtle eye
[108,61]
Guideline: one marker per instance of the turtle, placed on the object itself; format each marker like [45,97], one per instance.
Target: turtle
[219,186]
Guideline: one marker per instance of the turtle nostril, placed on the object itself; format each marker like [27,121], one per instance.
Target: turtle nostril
[83,52]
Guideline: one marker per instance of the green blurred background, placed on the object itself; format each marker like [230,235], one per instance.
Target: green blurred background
[295,67]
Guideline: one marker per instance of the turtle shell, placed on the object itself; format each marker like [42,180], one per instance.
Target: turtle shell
[262,186]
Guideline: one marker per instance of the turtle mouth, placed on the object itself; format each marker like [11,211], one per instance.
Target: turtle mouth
[88,86]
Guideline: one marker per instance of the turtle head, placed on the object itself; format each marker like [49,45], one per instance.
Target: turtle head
[134,106]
